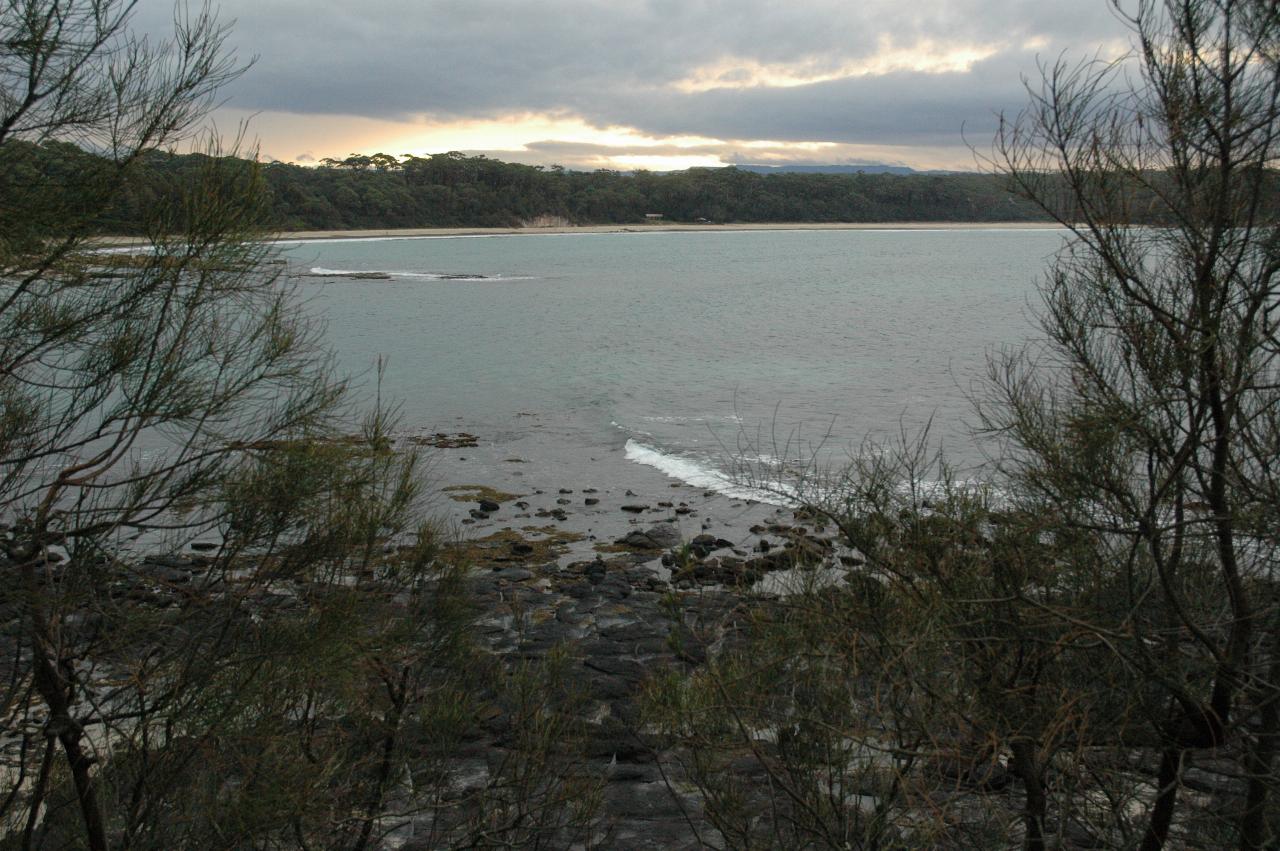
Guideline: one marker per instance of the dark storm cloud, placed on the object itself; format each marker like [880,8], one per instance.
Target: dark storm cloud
[898,108]
[614,62]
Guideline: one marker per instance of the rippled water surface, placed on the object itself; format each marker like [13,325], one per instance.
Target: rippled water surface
[671,347]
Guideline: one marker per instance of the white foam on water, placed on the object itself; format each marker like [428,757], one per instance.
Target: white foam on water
[726,418]
[430,276]
[315,239]
[697,474]
[621,427]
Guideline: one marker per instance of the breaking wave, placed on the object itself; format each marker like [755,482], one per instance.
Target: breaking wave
[698,474]
[322,272]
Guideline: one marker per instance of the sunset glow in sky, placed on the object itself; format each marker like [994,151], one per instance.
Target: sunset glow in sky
[662,84]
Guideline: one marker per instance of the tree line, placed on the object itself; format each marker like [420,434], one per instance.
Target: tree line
[456,190]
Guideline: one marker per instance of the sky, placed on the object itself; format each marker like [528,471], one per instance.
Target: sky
[628,84]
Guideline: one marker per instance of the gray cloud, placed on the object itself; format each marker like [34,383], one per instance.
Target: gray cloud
[613,62]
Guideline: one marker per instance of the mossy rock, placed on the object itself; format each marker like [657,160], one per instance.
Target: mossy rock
[475,493]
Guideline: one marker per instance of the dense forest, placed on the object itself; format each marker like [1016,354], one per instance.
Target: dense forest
[455,190]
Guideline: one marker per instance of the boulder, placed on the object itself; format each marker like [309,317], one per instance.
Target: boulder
[659,536]
[702,545]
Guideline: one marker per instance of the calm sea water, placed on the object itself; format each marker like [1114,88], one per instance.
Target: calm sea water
[677,349]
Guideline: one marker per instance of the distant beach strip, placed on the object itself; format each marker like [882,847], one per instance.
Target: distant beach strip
[665,227]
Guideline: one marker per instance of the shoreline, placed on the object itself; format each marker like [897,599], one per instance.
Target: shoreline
[658,228]
[668,227]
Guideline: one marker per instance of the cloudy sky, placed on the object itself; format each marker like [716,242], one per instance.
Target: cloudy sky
[659,84]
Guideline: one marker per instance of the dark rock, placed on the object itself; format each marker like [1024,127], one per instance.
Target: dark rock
[174,562]
[204,546]
[488,505]
[627,670]
[595,571]
[563,501]
[702,545]
[521,548]
[629,772]
[568,614]
[635,509]
[565,490]
[1081,836]
[478,515]
[605,687]
[614,741]
[591,500]
[638,575]
[634,631]
[615,587]
[660,536]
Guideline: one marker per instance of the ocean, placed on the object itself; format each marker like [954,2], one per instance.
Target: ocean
[684,352]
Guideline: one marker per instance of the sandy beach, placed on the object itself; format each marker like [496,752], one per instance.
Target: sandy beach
[665,227]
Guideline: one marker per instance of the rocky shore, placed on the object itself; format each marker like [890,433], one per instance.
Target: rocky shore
[629,582]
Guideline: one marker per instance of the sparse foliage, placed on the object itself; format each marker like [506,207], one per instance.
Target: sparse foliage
[1092,619]
[306,678]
